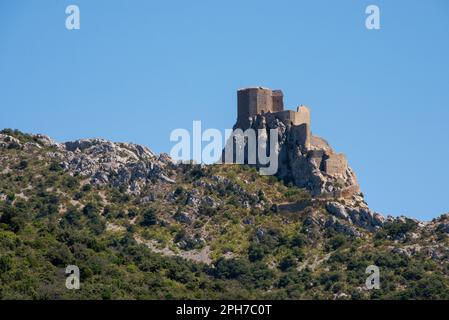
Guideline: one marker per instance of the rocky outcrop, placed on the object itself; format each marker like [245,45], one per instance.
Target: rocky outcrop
[305,160]
[9,142]
[104,162]
[360,216]
[309,163]
[333,223]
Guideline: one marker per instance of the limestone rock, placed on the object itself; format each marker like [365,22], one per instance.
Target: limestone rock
[104,162]
[194,198]
[149,198]
[334,223]
[359,216]
[183,217]
[46,141]
[407,251]
[210,202]
[338,210]
[31,145]
[7,141]
[306,160]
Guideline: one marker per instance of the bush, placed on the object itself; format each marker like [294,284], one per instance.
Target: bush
[5,263]
[72,218]
[70,182]
[397,229]
[256,252]
[22,165]
[23,137]
[60,255]
[149,218]
[299,240]
[285,280]
[329,278]
[15,219]
[287,263]
[431,287]
[86,188]
[230,268]
[55,167]
[90,210]
[132,213]
[337,241]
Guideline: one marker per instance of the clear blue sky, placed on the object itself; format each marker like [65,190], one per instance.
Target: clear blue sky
[138,69]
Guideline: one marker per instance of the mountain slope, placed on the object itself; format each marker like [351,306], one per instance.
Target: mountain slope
[139,226]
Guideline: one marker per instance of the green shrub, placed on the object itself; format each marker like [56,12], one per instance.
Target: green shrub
[149,218]
[287,263]
[337,241]
[256,252]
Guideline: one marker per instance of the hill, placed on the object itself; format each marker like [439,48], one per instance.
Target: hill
[140,226]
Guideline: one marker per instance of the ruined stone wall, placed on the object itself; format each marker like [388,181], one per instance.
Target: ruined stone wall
[316,156]
[318,143]
[301,135]
[302,115]
[336,164]
[288,117]
[278,100]
[300,125]
[294,117]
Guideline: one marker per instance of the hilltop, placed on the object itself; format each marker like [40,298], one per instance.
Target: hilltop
[140,226]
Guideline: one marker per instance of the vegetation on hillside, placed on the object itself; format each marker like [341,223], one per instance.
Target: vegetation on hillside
[130,248]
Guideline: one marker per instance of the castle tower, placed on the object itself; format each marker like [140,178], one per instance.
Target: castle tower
[253,101]
[278,100]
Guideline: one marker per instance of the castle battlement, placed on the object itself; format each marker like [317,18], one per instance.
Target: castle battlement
[307,160]
[255,101]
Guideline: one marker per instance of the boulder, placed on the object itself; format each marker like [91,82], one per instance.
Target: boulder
[360,216]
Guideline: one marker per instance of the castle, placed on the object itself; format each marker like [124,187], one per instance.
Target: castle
[270,103]
[262,107]
[259,100]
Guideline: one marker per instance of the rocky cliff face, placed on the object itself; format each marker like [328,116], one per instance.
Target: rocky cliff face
[308,162]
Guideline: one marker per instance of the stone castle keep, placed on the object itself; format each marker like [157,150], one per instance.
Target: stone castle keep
[255,101]
[304,159]
[252,102]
